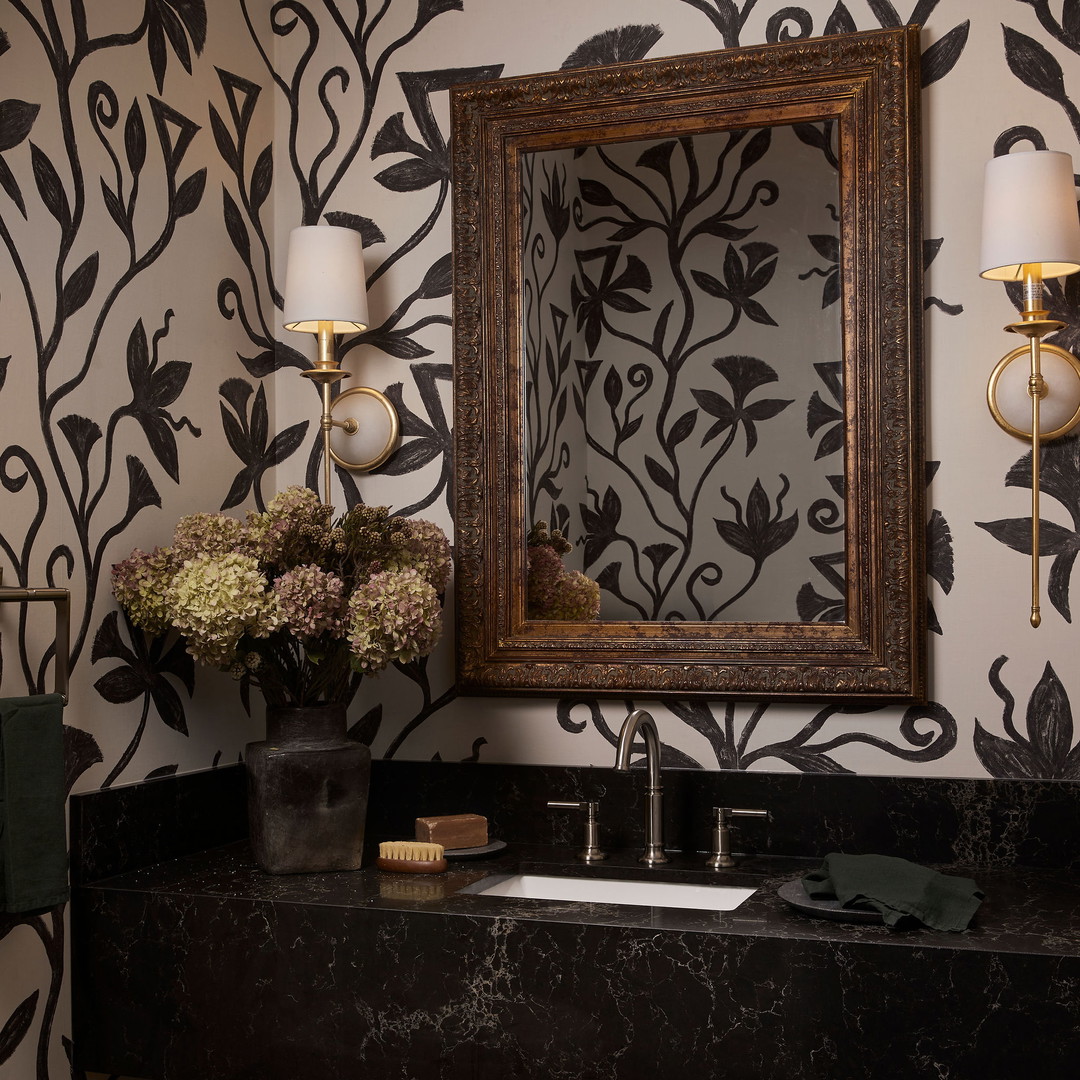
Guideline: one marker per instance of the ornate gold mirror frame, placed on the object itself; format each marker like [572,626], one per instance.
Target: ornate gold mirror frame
[867,85]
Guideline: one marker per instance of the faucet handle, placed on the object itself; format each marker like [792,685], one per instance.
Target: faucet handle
[720,857]
[591,851]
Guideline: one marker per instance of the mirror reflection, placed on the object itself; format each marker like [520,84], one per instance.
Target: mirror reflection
[682,340]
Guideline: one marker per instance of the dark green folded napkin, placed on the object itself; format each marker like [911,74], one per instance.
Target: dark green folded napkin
[33,842]
[899,889]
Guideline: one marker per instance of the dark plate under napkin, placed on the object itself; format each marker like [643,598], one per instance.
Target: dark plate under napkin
[794,893]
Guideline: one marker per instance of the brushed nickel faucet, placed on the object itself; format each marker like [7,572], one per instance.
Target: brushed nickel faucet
[639,719]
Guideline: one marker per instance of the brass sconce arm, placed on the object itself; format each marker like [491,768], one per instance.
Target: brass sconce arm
[326,373]
[1031,231]
[1034,325]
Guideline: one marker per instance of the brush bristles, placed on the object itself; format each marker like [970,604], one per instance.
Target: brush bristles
[410,851]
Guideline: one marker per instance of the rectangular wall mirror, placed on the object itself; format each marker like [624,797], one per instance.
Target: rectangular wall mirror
[687,299]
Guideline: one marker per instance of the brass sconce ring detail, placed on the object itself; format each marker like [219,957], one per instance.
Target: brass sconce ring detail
[1023,352]
[392,438]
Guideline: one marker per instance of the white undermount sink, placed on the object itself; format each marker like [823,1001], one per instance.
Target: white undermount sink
[670,894]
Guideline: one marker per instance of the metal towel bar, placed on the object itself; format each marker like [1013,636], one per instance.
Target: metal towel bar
[62,599]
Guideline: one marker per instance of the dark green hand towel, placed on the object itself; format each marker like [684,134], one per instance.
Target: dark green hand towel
[897,888]
[33,843]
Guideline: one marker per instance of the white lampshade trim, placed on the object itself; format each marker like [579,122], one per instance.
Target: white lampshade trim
[324,280]
[1030,216]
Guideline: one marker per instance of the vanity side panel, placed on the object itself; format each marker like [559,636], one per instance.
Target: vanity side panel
[179,987]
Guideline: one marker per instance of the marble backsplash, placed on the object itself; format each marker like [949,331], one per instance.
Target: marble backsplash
[972,822]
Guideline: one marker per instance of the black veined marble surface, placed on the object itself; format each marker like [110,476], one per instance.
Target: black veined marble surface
[202,966]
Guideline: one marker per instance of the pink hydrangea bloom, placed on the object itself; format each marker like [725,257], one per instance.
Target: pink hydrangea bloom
[394,616]
[310,601]
[424,548]
[208,534]
[557,593]
[141,585]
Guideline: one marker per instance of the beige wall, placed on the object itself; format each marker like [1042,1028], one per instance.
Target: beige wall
[982,616]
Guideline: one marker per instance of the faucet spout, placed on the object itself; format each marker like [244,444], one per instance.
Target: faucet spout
[640,720]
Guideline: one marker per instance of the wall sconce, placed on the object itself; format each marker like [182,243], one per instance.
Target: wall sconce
[1031,231]
[325,294]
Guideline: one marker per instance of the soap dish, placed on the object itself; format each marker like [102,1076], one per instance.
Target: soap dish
[475,852]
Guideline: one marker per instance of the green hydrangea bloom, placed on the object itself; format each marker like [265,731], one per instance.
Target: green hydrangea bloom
[215,602]
[295,529]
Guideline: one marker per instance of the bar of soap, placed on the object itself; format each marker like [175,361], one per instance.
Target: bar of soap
[453,830]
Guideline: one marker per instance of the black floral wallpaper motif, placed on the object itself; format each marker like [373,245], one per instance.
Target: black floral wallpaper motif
[1048,750]
[732,731]
[153,153]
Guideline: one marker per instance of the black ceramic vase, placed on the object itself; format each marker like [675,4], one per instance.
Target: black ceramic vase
[307,791]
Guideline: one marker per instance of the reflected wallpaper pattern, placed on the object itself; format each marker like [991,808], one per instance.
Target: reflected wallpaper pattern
[683,467]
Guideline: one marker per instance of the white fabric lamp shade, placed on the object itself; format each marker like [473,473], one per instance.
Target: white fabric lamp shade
[1029,216]
[324,280]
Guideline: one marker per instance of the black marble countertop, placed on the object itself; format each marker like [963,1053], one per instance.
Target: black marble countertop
[1026,911]
[190,962]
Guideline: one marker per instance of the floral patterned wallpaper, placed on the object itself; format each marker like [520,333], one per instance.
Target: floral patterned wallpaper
[152,155]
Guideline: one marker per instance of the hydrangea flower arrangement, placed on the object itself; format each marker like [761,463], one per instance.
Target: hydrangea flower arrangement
[289,601]
[555,592]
